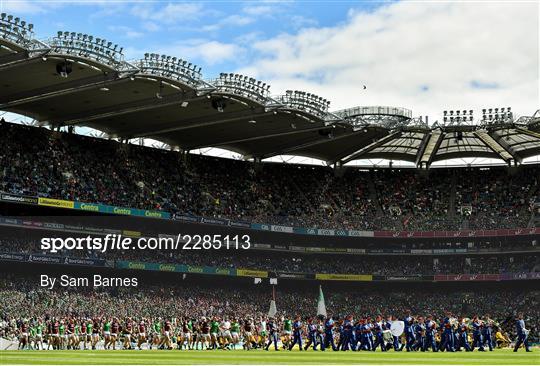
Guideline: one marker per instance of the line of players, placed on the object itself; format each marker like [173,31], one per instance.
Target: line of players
[338,334]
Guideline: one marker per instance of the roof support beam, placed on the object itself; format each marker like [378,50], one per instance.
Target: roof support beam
[430,147]
[21,61]
[206,121]
[529,132]
[13,57]
[510,148]
[73,86]
[262,137]
[131,107]
[370,147]
[495,146]
[315,142]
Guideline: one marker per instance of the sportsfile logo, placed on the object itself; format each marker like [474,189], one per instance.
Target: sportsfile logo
[163,242]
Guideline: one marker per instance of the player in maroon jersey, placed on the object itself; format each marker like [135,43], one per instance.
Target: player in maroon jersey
[54,337]
[166,336]
[205,333]
[141,337]
[115,330]
[70,333]
[23,338]
[127,332]
[96,326]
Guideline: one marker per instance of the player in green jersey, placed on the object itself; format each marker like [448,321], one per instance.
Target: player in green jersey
[156,333]
[62,334]
[193,334]
[38,336]
[107,333]
[235,332]
[262,332]
[287,332]
[214,331]
[87,332]
[31,336]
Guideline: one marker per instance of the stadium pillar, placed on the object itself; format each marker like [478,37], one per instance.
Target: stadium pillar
[257,164]
[339,170]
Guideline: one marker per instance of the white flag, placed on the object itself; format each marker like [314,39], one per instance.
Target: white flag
[273,310]
[321,306]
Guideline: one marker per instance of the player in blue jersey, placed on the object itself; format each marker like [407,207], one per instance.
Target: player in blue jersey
[367,335]
[419,333]
[273,334]
[522,334]
[348,330]
[409,332]
[431,328]
[447,336]
[329,325]
[463,340]
[477,326]
[312,334]
[378,330]
[297,333]
[487,332]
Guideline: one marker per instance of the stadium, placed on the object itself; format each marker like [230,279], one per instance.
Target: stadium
[127,246]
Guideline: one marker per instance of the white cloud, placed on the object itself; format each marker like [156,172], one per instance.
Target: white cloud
[22,7]
[168,14]
[423,56]
[234,20]
[259,10]
[126,32]
[208,51]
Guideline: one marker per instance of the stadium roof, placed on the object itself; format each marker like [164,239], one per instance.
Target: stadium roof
[75,79]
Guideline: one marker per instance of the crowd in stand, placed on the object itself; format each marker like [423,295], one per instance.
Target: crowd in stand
[37,161]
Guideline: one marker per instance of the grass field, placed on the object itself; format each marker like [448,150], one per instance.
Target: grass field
[498,357]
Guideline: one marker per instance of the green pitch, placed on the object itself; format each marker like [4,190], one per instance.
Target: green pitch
[498,357]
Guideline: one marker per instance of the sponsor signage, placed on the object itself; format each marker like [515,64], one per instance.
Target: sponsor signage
[186,218]
[39,258]
[281,229]
[246,225]
[92,207]
[116,210]
[132,233]
[467,277]
[404,278]
[169,267]
[326,232]
[262,246]
[342,277]
[53,225]
[19,199]
[244,272]
[9,221]
[214,221]
[14,257]
[355,250]
[51,202]
[520,276]
[42,258]
[293,275]
[84,261]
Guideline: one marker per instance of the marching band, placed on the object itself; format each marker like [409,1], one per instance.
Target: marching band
[412,333]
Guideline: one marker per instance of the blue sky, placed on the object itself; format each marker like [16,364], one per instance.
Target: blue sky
[426,56]
[157,26]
